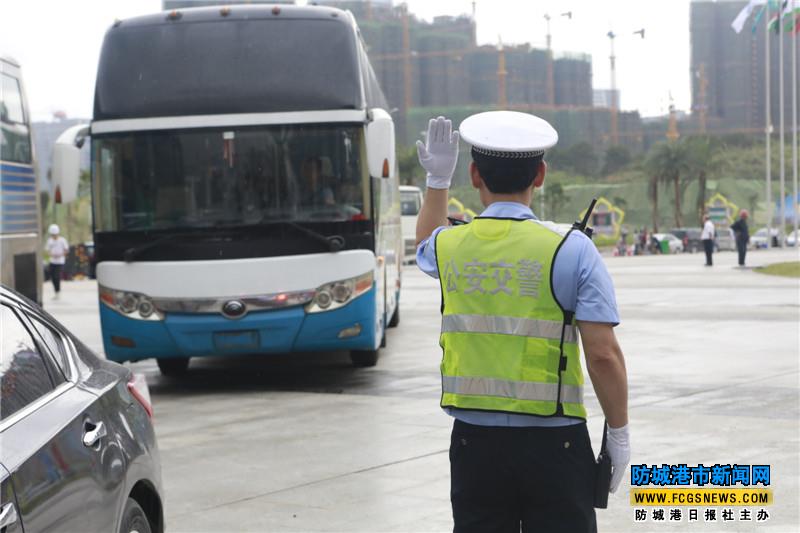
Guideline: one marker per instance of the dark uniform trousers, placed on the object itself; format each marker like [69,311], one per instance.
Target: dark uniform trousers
[533,479]
[708,247]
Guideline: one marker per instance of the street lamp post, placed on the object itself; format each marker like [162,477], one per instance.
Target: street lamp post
[614,99]
[551,86]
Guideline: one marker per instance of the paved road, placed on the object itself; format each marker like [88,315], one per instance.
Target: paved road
[307,443]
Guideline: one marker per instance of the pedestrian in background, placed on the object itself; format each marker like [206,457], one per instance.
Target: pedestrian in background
[707,236]
[57,248]
[643,241]
[515,293]
[742,235]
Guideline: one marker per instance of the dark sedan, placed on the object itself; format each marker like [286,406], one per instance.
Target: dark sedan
[690,238]
[77,447]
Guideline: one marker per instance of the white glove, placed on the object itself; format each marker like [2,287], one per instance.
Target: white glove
[439,154]
[619,450]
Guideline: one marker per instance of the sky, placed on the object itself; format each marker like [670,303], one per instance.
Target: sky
[57,42]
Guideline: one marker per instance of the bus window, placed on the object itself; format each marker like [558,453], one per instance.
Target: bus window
[16,142]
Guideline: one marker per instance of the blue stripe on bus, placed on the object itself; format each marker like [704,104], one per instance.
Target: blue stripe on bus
[18,207]
[19,228]
[25,197]
[16,167]
[13,176]
[19,170]
[17,217]
[17,188]
[5,171]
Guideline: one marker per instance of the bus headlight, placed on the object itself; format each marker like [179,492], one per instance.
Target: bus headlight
[130,304]
[339,293]
[323,299]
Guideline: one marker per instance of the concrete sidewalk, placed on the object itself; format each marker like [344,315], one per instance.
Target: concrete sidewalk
[306,443]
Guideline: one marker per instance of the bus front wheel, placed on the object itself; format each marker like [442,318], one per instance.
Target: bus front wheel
[395,321]
[364,358]
[173,366]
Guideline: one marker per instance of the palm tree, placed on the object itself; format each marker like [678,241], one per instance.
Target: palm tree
[667,162]
[705,159]
[652,189]
[555,198]
[408,165]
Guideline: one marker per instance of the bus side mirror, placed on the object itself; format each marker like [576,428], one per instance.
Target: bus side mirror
[380,144]
[67,163]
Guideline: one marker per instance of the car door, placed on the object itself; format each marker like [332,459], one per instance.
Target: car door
[51,443]
[9,515]
[109,468]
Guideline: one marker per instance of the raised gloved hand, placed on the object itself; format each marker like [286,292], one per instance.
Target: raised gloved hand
[619,450]
[439,154]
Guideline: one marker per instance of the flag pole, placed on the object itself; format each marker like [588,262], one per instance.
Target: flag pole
[768,127]
[781,121]
[796,199]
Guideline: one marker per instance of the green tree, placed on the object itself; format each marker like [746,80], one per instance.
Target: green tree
[44,204]
[411,173]
[616,158]
[652,190]
[579,158]
[84,184]
[667,162]
[705,159]
[583,158]
[554,199]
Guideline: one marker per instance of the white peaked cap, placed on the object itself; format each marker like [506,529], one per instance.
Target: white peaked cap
[53,229]
[508,134]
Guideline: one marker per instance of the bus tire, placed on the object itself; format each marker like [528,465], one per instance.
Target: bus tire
[364,358]
[395,321]
[173,366]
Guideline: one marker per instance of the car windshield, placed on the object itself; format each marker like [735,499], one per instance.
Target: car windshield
[409,203]
[230,176]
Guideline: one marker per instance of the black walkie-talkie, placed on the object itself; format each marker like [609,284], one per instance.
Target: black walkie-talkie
[580,225]
[602,482]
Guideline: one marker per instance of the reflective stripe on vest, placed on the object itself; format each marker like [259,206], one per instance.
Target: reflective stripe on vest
[508,325]
[521,390]
[508,345]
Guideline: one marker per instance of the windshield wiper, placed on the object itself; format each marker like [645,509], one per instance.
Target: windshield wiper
[131,253]
[333,242]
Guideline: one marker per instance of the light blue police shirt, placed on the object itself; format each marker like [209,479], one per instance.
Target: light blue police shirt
[581,284]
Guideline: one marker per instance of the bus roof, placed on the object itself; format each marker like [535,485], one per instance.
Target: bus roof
[234,60]
[9,60]
[237,12]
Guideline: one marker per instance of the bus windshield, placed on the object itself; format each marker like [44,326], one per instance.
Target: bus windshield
[229,176]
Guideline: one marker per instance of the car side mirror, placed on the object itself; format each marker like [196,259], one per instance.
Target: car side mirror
[380,144]
[67,163]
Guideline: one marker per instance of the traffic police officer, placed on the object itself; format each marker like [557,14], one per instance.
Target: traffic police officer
[515,292]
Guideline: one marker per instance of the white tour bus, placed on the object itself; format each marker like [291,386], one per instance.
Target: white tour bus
[245,192]
[20,229]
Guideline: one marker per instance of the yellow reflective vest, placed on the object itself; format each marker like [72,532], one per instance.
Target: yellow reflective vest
[508,344]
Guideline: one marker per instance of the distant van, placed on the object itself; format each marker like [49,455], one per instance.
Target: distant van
[410,204]
[725,239]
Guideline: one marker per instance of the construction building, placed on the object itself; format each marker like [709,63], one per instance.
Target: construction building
[434,67]
[431,67]
[729,74]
